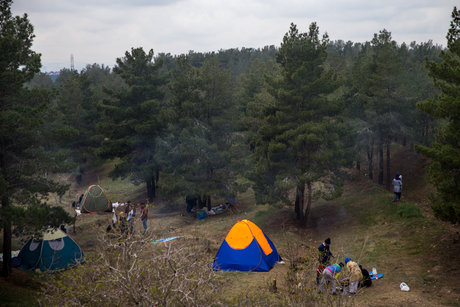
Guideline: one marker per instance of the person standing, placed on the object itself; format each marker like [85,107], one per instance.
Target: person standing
[131,213]
[325,252]
[330,275]
[144,216]
[397,187]
[323,258]
[354,275]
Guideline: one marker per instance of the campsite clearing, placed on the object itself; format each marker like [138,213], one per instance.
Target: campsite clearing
[363,222]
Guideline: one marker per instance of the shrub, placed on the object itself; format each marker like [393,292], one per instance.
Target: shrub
[409,210]
[129,271]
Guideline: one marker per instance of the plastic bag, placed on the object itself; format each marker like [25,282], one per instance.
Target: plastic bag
[404,287]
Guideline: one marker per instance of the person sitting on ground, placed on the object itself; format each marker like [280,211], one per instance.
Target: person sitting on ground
[354,275]
[330,275]
[366,281]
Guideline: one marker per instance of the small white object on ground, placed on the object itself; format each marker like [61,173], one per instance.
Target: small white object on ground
[404,287]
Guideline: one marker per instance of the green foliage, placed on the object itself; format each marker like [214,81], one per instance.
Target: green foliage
[78,96]
[445,210]
[199,152]
[18,63]
[444,171]
[261,216]
[134,118]
[27,151]
[409,210]
[300,139]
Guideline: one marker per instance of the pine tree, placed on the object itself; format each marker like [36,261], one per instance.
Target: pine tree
[444,171]
[27,155]
[376,82]
[134,119]
[300,142]
[198,149]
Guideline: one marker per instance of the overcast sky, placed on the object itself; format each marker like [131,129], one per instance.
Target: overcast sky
[99,31]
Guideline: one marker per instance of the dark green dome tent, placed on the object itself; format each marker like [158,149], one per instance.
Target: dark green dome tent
[55,251]
[95,200]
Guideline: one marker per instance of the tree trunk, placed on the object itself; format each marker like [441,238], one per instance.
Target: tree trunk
[6,269]
[151,188]
[380,162]
[208,201]
[309,197]
[388,178]
[301,196]
[358,165]
[297,203]
[300,193]
[370,159]
[201,201]
[148,186]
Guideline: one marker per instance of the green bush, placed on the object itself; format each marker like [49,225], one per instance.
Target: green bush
[409,210]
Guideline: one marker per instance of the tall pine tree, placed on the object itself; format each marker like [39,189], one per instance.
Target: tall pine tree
[199,148]
[134,119]
[26,155]
[300,142]
[445,151]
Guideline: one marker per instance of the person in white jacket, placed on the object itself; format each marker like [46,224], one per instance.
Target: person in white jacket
[397,187]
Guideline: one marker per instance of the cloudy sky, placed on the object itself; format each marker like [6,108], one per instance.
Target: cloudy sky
[99,31]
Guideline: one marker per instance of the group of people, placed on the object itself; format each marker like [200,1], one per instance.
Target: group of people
[328,274]
[124,216]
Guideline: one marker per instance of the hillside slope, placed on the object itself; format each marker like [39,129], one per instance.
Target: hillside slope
[364,223]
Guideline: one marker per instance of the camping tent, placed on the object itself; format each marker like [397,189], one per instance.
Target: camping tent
[95,200]
[246,248]
[55,251]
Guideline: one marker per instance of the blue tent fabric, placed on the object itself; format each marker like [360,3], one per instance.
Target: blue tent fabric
[164,240]
[56,251]
[250,258]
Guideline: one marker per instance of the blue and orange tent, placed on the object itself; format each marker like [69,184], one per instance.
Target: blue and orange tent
[246,248]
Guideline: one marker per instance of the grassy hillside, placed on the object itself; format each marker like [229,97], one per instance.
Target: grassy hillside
[403,241]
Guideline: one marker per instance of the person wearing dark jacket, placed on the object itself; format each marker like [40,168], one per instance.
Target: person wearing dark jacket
[366,281]
[323,258]
[325,252]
